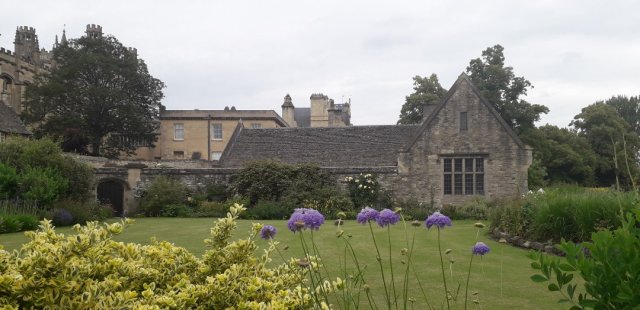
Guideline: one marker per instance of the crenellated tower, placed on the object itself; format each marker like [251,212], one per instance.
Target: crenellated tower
[26,45]
[93,31]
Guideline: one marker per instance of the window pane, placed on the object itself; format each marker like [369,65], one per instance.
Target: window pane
[447,184]
[468,184]
[463,121]
[216,155]
[479,164]
[216,133]
[479,184]
[178,131]
[468,165]
[458,165]
[256,125]
[457,184]
[447,165]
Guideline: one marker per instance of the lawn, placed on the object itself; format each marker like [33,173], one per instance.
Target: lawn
[501,277]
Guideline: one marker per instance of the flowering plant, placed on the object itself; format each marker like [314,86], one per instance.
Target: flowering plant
[364,189]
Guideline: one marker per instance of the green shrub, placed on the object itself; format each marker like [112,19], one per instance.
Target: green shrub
[83,212]
[211,209]
[162,192]
[10,223]
[42,185]
[89,270]
[28,222]
[608,267]
[364,190]
[288,184]
[412,209]
[8,182]
[269,210]
[175,210]
[513,216]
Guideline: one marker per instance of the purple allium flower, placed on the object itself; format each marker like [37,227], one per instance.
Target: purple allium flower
[295,220]
[480,249]
[437,219]
[312,219]
[268,232]
[387,217]
[367,214]
[305,218]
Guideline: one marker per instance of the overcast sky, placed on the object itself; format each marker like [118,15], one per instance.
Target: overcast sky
[249,54]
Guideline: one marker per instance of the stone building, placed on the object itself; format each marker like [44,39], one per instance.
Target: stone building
[202,134]
[463,148]
[322,112]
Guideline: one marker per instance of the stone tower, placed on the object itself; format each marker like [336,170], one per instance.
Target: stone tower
[319,110]
[288,112]
[26,45]
[94,31]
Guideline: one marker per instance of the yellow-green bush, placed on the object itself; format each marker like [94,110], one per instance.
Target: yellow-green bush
[89,270]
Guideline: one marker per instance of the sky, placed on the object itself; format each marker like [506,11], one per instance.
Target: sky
[250,54]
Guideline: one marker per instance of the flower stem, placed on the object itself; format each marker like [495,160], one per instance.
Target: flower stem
[444,278]
[466,291]
[379,259]
[393,282]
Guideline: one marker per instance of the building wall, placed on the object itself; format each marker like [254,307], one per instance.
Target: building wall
[505,161]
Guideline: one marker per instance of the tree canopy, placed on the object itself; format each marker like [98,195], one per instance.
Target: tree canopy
[427,91]
[497,83]
[98,93]
[502,88]
[613,141]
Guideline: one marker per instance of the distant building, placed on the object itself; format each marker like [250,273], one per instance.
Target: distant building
[322,112]
[463,148]
[203,134]
[10,123]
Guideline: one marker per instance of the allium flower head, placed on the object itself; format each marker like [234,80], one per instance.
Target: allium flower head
[480,249]
[367,214]
[312,219]
[305,218]
[268,232]
[387,217]
[437,219]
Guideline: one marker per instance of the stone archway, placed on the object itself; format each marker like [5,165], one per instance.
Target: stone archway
[111,191]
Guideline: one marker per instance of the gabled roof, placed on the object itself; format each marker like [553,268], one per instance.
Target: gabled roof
[10,122]
[463,78]
[353,146]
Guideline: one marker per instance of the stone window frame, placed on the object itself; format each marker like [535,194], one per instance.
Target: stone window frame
[256,125]
[178,131]
[216,131]
[464,174]
[178,154]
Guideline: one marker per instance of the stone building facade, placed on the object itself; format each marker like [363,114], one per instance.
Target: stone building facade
[202,134]
[322,112]
[462,149]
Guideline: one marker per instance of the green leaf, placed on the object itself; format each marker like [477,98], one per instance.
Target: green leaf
[553,287]
[539,278]
[567,267]
[535,265]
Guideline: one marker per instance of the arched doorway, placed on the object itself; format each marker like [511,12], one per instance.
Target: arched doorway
[112,192]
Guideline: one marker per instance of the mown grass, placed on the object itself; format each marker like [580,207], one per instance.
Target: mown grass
[501,280]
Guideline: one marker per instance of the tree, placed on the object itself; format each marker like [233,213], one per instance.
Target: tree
[628,108]
[99,88]
[427,91]
[561,155]
[499,85]
[613,141]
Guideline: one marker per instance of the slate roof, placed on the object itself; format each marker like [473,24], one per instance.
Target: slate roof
[222,114]
[302,116]
[353,146]
[10,122]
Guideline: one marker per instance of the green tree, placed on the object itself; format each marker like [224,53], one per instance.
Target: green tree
[613,141]
[99,88]
[427,91]
[502,88]
[564,156]
[628,108]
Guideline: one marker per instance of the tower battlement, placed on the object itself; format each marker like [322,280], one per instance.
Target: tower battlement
[94,31]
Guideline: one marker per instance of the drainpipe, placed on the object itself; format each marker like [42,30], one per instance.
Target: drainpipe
[209,137]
